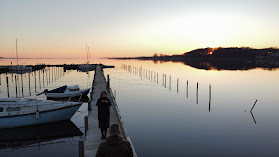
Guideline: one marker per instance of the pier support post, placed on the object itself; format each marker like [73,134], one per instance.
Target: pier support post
[81,148]
[85,124]
[108,84]
[89,105]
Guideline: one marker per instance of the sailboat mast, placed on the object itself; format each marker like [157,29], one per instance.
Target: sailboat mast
[86,54]
[16,53]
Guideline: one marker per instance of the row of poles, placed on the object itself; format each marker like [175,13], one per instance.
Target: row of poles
[154,77]
[44,76]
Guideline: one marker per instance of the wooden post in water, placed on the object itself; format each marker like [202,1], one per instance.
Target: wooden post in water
[52,73]
[253,106]
[157,79]
[209,97]
[22,86]
[16,86]
[108,84]
[0,79]
[7,79]
[197,92]
[35,81]
[177,84]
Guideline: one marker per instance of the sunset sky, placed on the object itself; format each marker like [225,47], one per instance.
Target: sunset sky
[118,28]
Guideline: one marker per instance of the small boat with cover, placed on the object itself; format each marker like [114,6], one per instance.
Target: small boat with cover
[66,92]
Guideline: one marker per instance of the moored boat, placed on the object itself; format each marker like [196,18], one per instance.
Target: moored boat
[16,112]
[66,92]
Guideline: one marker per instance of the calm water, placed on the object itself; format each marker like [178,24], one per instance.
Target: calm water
[162,121]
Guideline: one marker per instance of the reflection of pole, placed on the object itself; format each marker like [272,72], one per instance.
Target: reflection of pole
[209,96]
[253,117]
[0,79]
[197,92]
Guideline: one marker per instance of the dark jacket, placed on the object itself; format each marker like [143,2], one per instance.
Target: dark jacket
[103,113]
[115,146]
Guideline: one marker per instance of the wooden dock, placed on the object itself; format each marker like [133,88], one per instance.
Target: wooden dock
[93,134]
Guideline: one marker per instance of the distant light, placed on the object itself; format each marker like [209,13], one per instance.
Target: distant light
[211,53]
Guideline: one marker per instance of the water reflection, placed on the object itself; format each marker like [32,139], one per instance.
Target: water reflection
[39,134]
[230,64]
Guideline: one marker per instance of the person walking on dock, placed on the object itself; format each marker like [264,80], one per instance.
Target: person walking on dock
[115,146]
[103,104]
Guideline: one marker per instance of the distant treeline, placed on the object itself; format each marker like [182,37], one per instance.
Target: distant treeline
[230,53]
[232,58]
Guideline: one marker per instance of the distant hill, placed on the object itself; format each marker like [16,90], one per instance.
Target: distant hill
[232,58]
[230,53]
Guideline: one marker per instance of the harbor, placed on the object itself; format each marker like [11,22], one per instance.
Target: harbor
[177,106]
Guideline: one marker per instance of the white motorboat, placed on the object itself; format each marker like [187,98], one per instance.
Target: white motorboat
[66,92]
[16,112]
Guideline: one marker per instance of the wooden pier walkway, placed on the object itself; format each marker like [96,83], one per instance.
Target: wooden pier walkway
[93,134]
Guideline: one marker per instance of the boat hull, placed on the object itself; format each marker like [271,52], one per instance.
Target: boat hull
[35,118]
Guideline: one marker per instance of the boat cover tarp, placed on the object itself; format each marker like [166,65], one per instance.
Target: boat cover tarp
[58,90]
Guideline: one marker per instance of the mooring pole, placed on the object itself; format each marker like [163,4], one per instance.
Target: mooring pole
[108,84]
[209,97]
[197,92]
[7,79]
[29,84]
[177,84]
[35,81]
[253,106]
[22,86]
[16,86]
